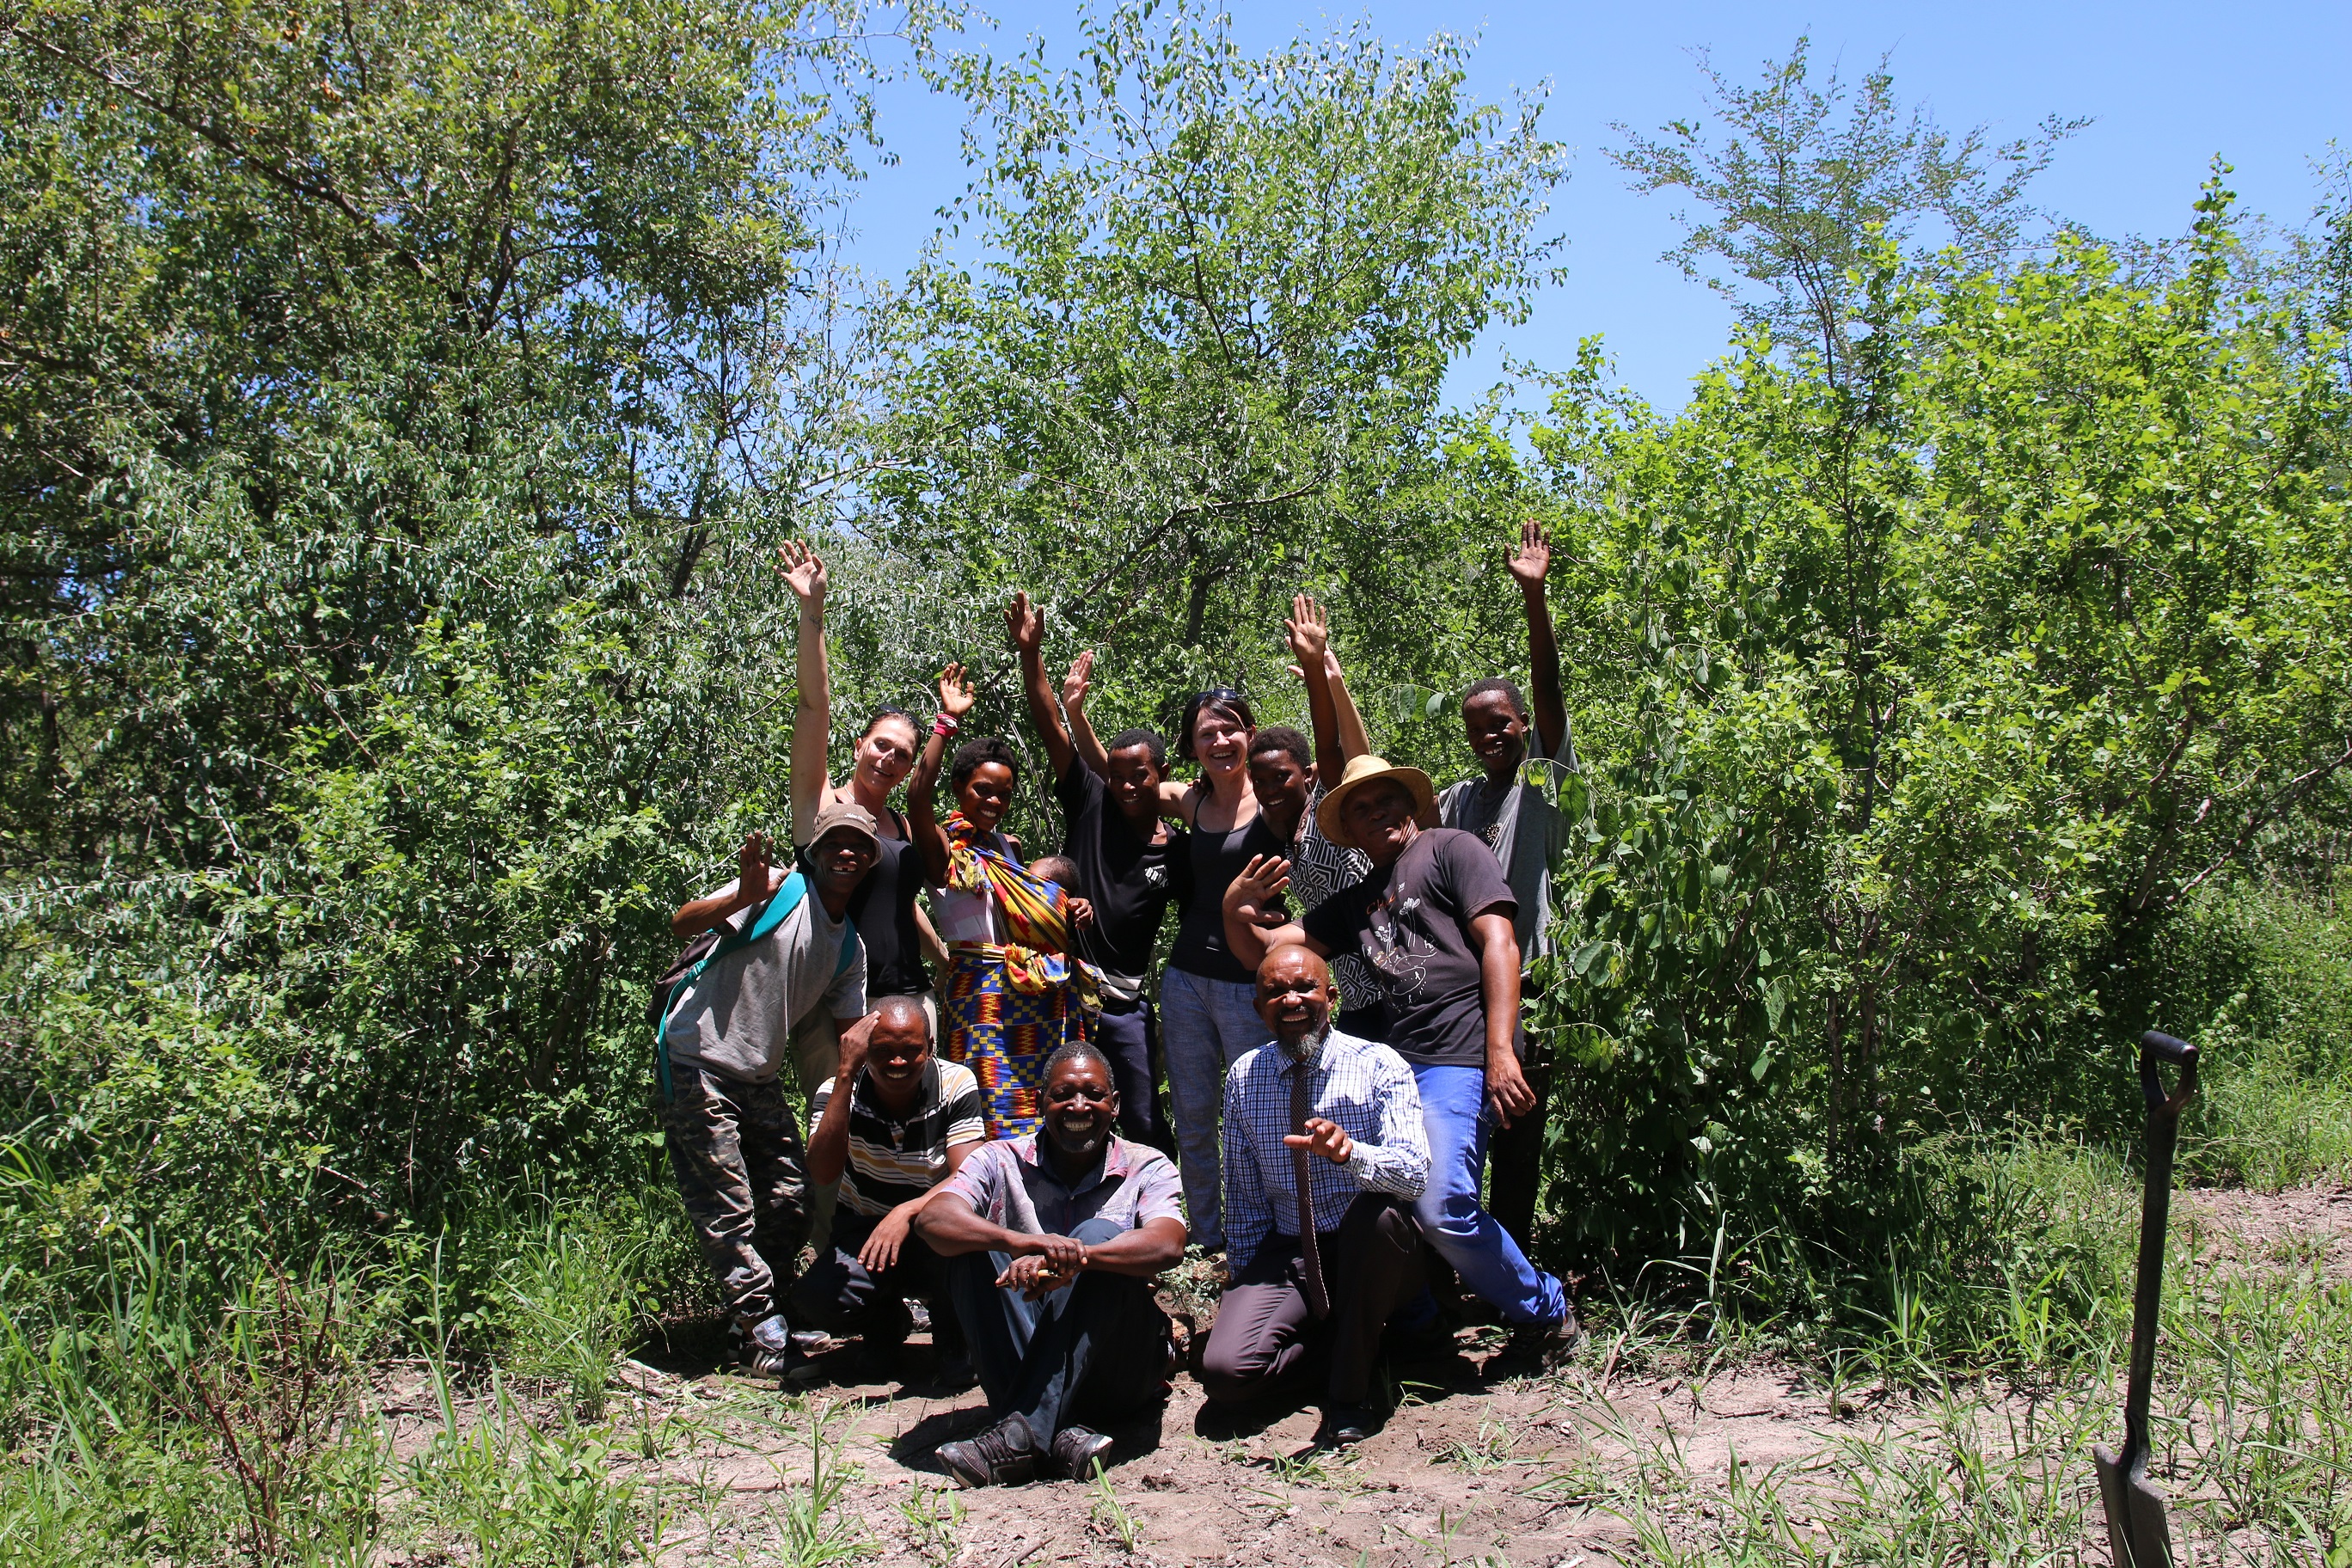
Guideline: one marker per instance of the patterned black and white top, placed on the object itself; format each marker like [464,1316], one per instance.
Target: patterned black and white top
[894,1159]
[1319,869]
[1365,1088]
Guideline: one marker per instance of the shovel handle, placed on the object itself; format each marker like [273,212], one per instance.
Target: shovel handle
[2154,1047]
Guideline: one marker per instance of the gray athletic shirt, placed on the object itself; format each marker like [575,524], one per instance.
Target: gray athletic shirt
[736,1019]
[1527,834]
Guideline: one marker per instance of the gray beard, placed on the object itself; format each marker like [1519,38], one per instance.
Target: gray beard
[1309,1042]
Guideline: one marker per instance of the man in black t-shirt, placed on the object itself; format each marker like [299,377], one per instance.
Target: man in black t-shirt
[1433,923]
[1129,864]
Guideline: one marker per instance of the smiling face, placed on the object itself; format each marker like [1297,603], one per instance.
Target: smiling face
[900,1050]
[1379,818]
[1498,732]
[841,859]
[1294,994]
[1220,740]
[1080,1108]
[1133,782]
[887,754]
[1280,783]
[986,796]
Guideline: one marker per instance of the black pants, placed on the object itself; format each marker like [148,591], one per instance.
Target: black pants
[1265,1334]
[1131,1040]
[1514,1153]
[841,1296]
[1099,1344]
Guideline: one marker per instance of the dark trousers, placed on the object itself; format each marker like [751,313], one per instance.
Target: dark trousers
[1098,1345]
[1514,1153]
[1264,1333]
[841,1296]
[1131,1040]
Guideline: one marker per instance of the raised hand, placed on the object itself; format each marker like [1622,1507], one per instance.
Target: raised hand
[1025,624]
[851,1049]
[1310,628]
[1534,556]
[1076,684]
[955,692]
[802,572]
[752,868]
[1328,1139]
[1261,881]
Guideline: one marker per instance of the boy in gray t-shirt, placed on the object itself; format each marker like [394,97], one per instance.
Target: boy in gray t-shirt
[734,1143]
[1515,816]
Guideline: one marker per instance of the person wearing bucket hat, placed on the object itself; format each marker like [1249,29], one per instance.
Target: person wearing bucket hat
[1512,807]
[1432,924]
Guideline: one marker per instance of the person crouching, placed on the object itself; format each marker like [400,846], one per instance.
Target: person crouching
[1318,1270]
[891,1126]
[1053,1241]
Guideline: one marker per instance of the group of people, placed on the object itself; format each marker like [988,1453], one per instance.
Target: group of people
[982,1044]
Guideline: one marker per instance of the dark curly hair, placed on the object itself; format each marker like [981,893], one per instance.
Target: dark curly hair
[977,751]
[1509,689]
[1283,738]
[1150,740]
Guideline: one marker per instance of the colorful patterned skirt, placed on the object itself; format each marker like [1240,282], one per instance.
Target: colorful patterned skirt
[1004,1035]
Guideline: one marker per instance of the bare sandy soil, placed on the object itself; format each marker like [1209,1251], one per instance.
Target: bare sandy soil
[1482,1462]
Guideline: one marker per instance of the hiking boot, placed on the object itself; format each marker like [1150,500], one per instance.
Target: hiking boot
[1005,1455]
[1345,1426]
[1546,1344]
[1078,1451]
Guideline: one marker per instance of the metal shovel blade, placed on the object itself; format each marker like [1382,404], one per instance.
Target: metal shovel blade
[2140,1529]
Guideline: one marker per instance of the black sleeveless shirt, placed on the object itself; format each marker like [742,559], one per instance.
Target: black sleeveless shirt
[1217,858]
[884,907]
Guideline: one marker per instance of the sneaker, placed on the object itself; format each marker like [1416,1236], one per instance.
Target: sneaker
[1546,1344]
[1078,1451]
[1345,1426]
[1005,1455]
[771,1349]
[918,1315]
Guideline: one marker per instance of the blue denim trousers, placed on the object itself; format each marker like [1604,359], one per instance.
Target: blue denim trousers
[1490,1261]
[1205,1026]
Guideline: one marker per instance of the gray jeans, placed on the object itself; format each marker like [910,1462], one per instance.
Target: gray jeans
[1205,1026]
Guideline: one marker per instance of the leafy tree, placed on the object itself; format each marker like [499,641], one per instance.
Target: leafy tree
[1197,364]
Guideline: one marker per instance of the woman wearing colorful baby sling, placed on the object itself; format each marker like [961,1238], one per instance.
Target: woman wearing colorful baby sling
[1013,993]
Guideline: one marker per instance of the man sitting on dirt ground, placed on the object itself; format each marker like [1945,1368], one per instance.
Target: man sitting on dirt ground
[891,1139]
[733,1143]
[1054,1241]
[1322,1112]
[1432,925]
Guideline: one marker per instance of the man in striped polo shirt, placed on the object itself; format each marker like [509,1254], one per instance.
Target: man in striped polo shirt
[901,1128]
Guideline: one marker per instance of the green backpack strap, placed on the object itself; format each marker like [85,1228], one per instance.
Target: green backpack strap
[781,902]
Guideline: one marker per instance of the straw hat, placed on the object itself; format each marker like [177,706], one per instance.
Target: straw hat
[1360,772]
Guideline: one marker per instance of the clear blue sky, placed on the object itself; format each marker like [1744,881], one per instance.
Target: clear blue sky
[2168,85]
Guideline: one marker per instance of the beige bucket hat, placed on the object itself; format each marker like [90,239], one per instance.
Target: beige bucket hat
[1361,771]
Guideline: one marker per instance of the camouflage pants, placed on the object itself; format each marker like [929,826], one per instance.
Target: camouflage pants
[736,1149]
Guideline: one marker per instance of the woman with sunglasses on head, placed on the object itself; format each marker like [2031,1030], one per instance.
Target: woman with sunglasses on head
[1208,998]
[890,923]
[1014,992]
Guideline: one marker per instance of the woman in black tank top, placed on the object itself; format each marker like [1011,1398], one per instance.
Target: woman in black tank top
[889,921]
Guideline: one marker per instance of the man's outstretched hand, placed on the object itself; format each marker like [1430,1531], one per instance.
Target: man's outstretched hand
[1328,1139]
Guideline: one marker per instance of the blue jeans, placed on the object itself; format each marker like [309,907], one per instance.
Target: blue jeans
[1491,1264]
[1205,1026]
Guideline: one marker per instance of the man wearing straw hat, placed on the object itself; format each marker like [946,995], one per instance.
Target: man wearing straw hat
[1433,923]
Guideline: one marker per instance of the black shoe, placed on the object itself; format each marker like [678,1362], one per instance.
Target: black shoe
[1345,1426]
[1005,1455]
[1546,1344]
[1078,1451]
[772,1350]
